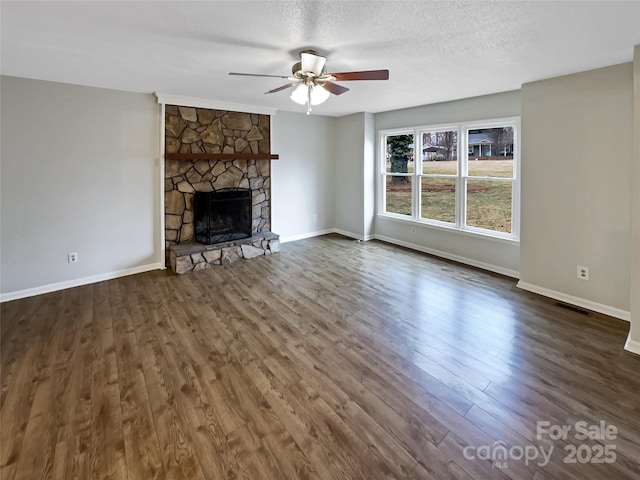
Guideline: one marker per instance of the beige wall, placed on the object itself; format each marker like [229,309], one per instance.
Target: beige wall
[576,187]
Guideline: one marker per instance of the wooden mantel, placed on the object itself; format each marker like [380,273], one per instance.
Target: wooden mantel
[221,156]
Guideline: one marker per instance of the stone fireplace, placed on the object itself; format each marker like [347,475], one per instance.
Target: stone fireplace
[208,151]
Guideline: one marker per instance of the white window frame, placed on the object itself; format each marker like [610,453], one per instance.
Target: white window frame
[461,177]
[383,134]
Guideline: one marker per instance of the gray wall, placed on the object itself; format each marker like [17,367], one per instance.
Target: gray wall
[325,168]
[369,174]
[79,174]
[348,174]
[353,174]
[302,179]
[634,334]
[576,185]
[493,254]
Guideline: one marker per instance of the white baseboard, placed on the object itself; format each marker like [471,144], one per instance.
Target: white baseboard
[293,238]
[577,301]
[346,233]
[318,233]
[632,346]
[364,238]
[53,287]
[449,256]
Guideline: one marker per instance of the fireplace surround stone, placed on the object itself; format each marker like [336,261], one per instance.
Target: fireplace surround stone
[190,130]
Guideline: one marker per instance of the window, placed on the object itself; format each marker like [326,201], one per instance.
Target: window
[456,176]
[399,166]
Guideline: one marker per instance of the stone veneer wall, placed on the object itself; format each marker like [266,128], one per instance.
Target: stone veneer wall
[200,130]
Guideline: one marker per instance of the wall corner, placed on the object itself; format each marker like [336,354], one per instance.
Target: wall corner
[634,333]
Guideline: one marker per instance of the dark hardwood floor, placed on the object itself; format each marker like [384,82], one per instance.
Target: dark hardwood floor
[332,359]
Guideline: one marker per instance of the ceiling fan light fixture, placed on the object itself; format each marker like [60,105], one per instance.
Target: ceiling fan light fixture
[317,96]
[300,94]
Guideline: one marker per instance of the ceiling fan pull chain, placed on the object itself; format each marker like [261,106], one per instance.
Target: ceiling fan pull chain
[308,99]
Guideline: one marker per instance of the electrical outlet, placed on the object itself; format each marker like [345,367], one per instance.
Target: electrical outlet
[73,257]
[314,218]
[583,272]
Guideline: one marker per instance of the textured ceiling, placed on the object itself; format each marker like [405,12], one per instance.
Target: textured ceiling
[435,50]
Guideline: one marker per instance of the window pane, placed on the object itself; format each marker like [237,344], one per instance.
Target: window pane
[489,205]
[399,157]
[491,152]
[440,152]
[439,199]
[398,198]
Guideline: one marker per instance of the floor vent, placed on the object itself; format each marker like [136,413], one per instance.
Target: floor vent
[579,310]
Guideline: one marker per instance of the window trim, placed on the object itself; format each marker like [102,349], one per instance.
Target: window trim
[461,177]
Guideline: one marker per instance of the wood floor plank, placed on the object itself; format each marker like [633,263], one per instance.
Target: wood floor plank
[178,455]
[16,410]
[28,415]
[16,336]
[497,430]
[107,437]
[333,359]
[301,427]
[142,449]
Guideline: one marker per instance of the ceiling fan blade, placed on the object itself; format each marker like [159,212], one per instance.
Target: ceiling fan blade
[257,75]
[334,88]
[312,63]
[283,87]
[366,75]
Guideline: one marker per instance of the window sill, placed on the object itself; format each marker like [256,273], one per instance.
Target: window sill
[469,233]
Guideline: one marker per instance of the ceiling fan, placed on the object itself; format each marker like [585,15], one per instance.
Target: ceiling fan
[313,84]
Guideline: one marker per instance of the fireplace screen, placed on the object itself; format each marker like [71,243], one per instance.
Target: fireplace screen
[222,215]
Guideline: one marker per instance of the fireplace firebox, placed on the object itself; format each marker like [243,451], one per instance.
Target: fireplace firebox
[222,215]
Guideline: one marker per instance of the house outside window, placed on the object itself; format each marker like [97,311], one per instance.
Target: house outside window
[463,177]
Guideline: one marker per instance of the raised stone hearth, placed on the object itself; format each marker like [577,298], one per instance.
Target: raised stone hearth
[191,257]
